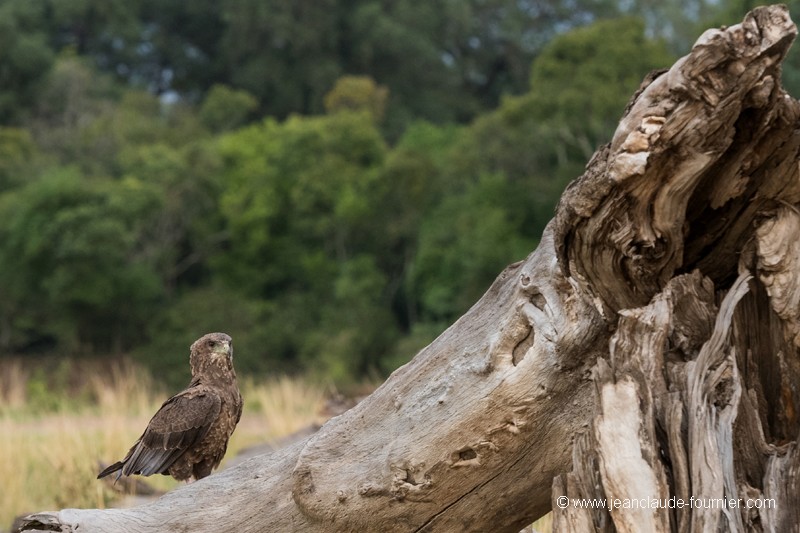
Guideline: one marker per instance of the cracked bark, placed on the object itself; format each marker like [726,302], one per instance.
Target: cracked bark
[625,347]
[697,215]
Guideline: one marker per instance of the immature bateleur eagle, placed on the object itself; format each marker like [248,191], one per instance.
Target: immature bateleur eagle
[188,436]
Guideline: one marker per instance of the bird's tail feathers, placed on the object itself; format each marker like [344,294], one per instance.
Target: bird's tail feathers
[111,469]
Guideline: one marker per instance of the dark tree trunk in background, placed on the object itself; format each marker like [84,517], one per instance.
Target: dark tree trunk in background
[649,345]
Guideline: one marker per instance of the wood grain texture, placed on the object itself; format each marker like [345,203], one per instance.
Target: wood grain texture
[698,397]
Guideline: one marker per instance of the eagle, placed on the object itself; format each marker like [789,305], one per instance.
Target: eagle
[188,436]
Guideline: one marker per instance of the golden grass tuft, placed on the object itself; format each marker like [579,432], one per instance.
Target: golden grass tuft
[124,389]
[544,524]
[49,460]
[279,407]
[13,384]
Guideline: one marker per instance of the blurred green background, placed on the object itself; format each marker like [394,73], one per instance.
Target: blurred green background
[330,182]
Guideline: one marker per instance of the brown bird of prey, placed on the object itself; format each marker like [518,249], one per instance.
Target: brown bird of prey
[188,436]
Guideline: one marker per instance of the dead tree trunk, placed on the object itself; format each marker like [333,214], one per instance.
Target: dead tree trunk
[630,327]
[696,419]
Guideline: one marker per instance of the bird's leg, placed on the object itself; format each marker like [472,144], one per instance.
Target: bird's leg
[190,480]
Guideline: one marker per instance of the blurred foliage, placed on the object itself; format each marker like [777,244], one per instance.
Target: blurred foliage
[25,56]
[357,93]
[225,108]
[331,183]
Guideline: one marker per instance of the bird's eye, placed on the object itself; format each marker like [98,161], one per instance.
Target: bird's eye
[212,343]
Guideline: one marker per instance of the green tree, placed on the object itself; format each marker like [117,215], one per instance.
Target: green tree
[285,53]
[336,242]
[465,242]
[104,29]
[298,202]
[466,54]
[225,108]
[187,229]
[18,157]
[297,185]
[441,61]
[86,119]
[356,327]
[355,93]
[505,172]
[583,79]
[679,23]
[206,308]
[73,97]
[413,181]
[580,85]
[25,57]
[66,258]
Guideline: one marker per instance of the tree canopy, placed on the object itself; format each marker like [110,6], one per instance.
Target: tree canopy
[330,182]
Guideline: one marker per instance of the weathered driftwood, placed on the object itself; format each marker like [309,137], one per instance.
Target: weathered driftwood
[609,330]
[702,177]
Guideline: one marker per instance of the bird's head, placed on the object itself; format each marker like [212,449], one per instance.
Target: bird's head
[212,349]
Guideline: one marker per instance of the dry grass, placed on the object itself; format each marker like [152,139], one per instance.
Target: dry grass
[13,381]
[544,524]
[49,458]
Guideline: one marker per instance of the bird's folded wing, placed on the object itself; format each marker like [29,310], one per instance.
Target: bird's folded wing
[182,421]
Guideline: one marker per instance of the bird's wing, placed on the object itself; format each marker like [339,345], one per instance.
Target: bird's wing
[239,407]
[182,421]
